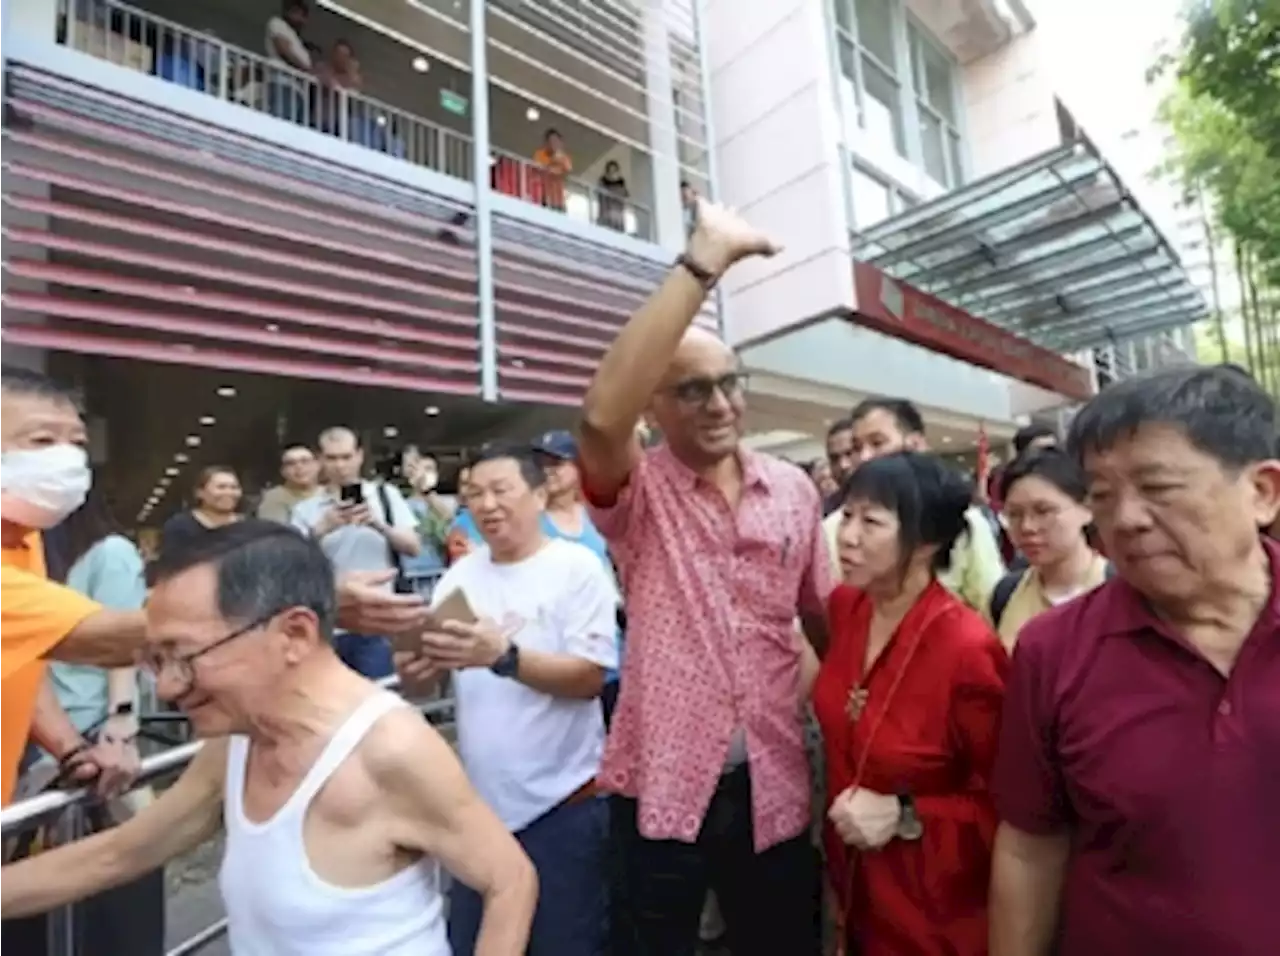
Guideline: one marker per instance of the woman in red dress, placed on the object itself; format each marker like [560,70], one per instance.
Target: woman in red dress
[908,698]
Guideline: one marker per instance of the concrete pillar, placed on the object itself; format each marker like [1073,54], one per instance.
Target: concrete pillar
[667,225]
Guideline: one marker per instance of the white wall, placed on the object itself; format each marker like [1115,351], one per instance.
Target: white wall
[1008,103]
[778,158]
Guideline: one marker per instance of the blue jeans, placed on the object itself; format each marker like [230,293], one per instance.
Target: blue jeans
[568,847]
[365,654]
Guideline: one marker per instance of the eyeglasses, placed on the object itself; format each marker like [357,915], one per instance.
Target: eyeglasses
[697,392]
[1043,514]
[156,662]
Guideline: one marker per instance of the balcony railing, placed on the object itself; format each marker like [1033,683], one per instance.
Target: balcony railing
[512,175]
[199,61]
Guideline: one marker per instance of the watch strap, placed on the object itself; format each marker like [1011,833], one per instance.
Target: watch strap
[703,277]
[508,665]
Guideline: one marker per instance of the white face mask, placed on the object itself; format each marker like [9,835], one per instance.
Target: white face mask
[39,487]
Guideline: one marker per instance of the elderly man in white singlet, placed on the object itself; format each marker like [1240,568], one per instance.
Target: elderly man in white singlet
[340,802]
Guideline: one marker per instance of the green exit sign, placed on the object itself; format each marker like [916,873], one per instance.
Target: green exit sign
[453,102]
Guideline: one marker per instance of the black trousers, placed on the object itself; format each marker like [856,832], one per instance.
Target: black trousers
[770,901]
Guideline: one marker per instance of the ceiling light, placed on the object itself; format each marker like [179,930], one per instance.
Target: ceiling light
[164,482]
[432,410]
[532,114]
[181,458]
[193,441]
[171,471]
[390,431]
[272,327]
[946,439]
[421,64]
[226,391]
[207,419]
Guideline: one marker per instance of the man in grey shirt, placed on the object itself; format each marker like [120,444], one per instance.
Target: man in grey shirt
[361,526]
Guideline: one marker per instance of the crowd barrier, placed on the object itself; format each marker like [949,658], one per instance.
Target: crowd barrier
[47,807]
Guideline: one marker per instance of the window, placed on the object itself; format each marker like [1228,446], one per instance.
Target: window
[881,113]
[872,200]
[869,63]
[933,79]
[899,86]
[875,29]
[875,200]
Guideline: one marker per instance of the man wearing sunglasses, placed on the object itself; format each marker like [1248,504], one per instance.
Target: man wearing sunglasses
[719,550]
[340,803]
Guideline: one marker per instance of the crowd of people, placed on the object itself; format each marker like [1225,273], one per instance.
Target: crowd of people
[1075,755]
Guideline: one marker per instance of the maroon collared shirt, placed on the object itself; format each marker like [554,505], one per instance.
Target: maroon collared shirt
[1165,773]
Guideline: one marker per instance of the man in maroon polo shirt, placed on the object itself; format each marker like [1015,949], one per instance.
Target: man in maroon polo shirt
[1138,779]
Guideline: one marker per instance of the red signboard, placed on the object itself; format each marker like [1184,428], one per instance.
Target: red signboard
[895,308]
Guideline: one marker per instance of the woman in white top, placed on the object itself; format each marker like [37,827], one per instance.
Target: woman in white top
[1043,494]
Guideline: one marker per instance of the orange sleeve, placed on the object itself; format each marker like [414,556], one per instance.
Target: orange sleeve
[35,615]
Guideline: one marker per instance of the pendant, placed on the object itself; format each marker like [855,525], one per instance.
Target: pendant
[857,703]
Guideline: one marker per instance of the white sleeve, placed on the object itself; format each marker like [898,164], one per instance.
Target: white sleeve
[589,611]
[401,516]
[299,518]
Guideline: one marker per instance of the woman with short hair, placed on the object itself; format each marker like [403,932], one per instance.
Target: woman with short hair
[908,698]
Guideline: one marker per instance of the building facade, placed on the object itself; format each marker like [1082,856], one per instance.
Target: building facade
[190,211]
[197,210]
[952,234]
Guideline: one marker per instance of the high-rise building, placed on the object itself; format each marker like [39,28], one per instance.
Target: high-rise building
[234,222]
[953,231]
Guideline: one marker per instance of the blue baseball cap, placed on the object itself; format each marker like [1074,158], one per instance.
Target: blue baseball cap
[557,444]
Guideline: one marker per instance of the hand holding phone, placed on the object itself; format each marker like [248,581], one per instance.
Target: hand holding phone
[454,607]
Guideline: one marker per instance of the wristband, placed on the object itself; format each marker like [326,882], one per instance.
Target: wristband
[74,752]
[702,276]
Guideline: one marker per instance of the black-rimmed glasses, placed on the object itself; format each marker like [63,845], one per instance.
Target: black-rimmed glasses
[698,392]
[155,662]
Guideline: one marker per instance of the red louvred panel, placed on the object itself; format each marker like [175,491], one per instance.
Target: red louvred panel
[119,244]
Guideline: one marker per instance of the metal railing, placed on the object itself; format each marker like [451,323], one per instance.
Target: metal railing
[200,61]
[45,807]
[513,175]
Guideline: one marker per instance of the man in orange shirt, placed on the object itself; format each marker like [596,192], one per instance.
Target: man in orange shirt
[555,160]
[44,476]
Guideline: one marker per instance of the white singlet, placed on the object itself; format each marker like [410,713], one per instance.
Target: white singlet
[276,903]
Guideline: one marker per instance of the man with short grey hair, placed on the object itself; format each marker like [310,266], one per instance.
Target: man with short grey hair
[339,802]
[361,526]
[1137,780]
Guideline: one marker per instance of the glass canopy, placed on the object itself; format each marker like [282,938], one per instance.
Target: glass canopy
[1054,249]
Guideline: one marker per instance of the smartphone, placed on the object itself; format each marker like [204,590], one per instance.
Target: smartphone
[454,607]
[352,494]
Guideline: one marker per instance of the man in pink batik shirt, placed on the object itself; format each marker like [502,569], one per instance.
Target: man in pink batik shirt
[719,550]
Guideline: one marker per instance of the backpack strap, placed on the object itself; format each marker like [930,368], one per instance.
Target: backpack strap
[1002,594]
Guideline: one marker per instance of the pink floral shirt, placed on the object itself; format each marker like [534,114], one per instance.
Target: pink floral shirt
[712,596]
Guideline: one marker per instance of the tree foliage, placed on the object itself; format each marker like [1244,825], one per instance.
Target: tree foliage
[1224,112]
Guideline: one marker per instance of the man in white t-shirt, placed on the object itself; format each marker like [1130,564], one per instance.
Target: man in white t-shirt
[287,92]
[528,678]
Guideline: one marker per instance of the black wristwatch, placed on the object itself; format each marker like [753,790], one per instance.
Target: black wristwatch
[704,278]
[508,665]
[909,825]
